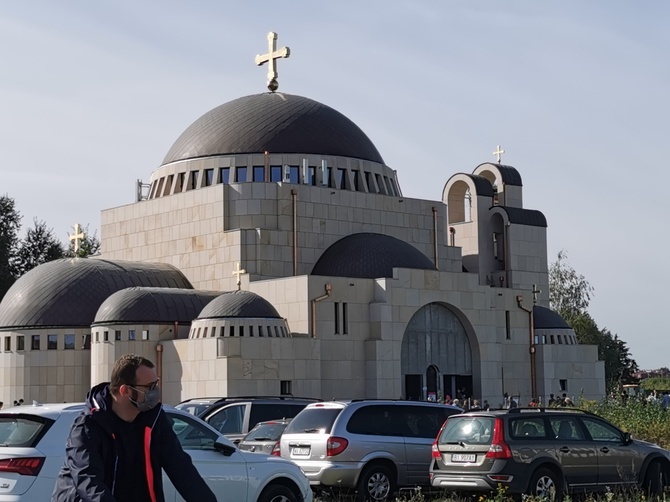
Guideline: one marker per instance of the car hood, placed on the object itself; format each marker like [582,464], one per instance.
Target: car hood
[647,444]
[256,458]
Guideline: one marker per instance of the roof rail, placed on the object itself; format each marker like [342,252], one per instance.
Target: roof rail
[543,409]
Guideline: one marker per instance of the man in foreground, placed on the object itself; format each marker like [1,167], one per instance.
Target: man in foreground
[119,444]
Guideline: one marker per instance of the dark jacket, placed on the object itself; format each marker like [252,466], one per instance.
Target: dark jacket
[105,458]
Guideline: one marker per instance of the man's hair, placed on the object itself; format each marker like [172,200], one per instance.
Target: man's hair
[124,370]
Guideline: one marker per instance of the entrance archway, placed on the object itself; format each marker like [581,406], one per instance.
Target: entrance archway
[435,355]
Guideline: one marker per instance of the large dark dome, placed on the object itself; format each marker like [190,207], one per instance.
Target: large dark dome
[68,292]
[273,122]
[370,256]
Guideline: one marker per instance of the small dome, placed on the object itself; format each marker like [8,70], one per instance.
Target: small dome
[273,122]
[68,292]
[153,305]
[243,304]
[544,318]
[369,255]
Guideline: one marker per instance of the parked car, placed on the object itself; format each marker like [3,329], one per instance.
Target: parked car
[32,452]
[264,437]
[543,450]
[370,446]
[235,417]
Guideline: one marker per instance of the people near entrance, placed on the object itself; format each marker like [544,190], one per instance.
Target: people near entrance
[509,402]
[122,442]
[552,401]
[475,405]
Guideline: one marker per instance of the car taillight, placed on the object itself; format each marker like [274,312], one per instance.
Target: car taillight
[335,445]
[498,448]
[276,449]
[29,466]
[434,451]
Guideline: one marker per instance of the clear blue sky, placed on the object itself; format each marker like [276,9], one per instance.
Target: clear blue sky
[93,94]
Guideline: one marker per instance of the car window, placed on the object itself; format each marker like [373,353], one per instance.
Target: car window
[423,421]
[194,408]
[378,420]
[566,428]
[313,420]
[266,432]
[263,412]
[228,420]
[22,430]
[602,431]
[191,434]
[468,430]
[527,428]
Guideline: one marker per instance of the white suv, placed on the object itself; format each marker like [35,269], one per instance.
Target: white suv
[370,446]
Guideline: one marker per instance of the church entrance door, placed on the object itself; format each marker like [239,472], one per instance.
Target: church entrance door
[435,358]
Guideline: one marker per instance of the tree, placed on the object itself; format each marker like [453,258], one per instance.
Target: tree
[39,246]
[569,295]
[10,223]
[569,292]
[88,246]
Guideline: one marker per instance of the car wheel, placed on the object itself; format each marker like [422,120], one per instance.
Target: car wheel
[278,493]
[654,479]
[376,483]
[545,483]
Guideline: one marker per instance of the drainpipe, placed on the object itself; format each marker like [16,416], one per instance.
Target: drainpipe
[437,262]
[294,199]
[531,349]
[328,288]
[159,364]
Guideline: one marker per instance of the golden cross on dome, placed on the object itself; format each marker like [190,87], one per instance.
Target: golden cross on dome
[238,272]
[271,59]
[77,237]
[499,153]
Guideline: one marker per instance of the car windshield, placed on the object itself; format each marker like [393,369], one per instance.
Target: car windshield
[313,420]
[22,430]
[469,430]
[268,431]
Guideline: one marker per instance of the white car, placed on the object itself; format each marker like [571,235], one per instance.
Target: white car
[32,451]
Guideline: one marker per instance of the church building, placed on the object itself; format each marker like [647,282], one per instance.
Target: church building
[273,252]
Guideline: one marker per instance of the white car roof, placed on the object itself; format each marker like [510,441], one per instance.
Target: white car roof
[50,410]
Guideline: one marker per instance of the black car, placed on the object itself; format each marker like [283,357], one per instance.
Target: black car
[236,416]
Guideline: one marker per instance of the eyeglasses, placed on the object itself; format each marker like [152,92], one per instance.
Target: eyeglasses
[149,386]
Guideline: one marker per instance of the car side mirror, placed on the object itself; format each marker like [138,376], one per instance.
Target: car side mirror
[224,448]
[627,439]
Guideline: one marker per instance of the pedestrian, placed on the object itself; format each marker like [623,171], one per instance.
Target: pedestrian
[475,405]
[123,424]
[665,400]
[552,401]
[533,403]
[486,405]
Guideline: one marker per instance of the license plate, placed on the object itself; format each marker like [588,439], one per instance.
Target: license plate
[463,457]
[300,451]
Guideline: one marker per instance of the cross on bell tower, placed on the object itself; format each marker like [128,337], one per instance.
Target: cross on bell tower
[271,59]
[499,153]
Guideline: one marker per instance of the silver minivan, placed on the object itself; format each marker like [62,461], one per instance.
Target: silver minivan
[370,446]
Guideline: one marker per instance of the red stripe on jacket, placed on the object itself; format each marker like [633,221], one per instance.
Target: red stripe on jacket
[147,463]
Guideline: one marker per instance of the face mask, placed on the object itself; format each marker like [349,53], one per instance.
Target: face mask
[151,399]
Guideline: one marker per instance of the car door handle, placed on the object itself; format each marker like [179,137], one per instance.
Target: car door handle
[605,449]
[564,449]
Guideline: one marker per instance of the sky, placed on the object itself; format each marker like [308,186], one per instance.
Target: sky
[93,94]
